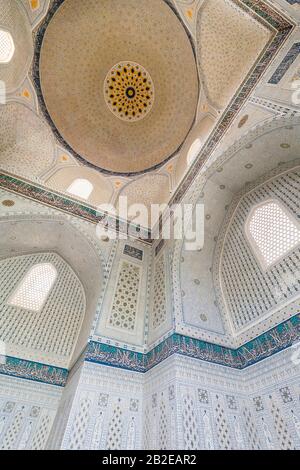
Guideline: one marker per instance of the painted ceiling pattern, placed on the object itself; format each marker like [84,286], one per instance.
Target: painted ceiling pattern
[137,95]
[224,19]
[116,147]
[129,91]
[267,16]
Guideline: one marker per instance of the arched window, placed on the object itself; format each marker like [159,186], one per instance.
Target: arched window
[7,47]
[194,151]
[34,289]
[272,232]
[81,188]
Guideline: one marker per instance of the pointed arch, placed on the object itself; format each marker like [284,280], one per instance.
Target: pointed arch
[81,187]
[34,289]
[271,231]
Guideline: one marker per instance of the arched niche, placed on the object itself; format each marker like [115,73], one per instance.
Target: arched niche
[14,21]
[22,236]
[63,178]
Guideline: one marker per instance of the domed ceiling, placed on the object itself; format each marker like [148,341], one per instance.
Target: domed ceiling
[119,81]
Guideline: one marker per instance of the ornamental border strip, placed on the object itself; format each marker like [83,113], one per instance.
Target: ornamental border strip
[269,343]
[266,345]
[60,202]
[34,371]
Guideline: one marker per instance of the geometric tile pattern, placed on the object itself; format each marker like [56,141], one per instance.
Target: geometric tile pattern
[114,438]
[251,430]
[190,425]
[248,291]
[284,437]
[124,308]
[273,231]
[159,294]
[222,427]
[40,332]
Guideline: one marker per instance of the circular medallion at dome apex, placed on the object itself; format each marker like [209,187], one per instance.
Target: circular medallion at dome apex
[108,33]
[129,91]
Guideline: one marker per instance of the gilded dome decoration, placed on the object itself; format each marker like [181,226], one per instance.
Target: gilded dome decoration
[129,91]
[137,52]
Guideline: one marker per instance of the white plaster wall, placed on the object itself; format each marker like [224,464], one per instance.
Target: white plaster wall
[191,390]
[103,329]
[27,412]
[181,404]
[186,404]
[107,410]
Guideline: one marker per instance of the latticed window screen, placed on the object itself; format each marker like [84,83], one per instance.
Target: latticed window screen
[249,290]
[194,151]
[7,47]
[273,232]
[81,188]
[80,424]
[148,429]
[52,330]
[35,287]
